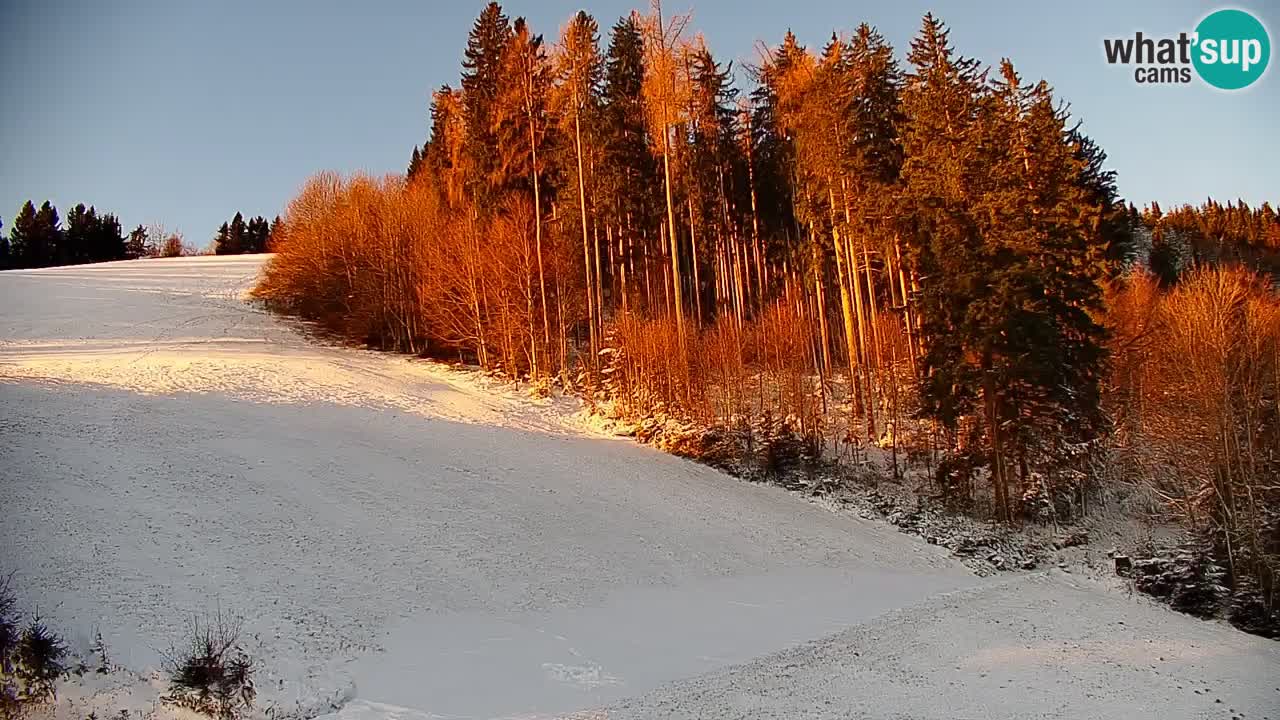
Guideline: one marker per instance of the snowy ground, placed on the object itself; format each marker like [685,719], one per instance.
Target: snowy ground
[407,541]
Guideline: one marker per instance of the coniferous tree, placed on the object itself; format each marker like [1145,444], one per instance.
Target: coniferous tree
[107,242]
[24,237]
[627,160]
[44,250]
[137,245]
[481,79]
[415,164]
[222,244]
[274,233]
[77,245]
[943,174]
[4,248]
[237,233]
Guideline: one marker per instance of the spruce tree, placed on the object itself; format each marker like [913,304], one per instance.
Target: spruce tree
[274,233]
[136,247]
[106,241]
[222,241]
[628,162]
[44,250]
[415,164]
[23,237]
[78,237]
[943,173]
[237,235]
[481,79]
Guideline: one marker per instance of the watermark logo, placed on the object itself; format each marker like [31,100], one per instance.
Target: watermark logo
[1229,50]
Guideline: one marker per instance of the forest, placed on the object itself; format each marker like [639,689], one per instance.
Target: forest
[852,257]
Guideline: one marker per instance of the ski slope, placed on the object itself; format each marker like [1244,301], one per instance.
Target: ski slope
[408,541]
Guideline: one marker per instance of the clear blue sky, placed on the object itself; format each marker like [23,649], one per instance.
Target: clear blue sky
[185,111]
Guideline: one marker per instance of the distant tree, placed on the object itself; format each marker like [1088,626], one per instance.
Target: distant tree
[257,234]
[137,246]
[222,241]
[78,237]
[241,236]
[237,235]
[415,164]
[23,236]
[4,248]
[44,248]
[173,246]
[109,241]
[274,233]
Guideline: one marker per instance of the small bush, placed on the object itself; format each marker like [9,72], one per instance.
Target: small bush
[210,673]
[31,659]
[38,661]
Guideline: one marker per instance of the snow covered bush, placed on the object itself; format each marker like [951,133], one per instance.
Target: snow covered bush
[210,673]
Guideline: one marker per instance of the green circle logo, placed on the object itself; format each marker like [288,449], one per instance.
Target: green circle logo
[1232,49]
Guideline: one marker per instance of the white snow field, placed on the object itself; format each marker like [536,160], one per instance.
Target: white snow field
[407,541]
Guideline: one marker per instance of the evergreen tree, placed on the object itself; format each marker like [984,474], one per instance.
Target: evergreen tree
[44,250]
[78,238]
[415,164]
[222,244]
[943,175]
[274,233]
[481,80]
[23,237]
[237,235]
[627,160]
[107,242]
[4,248]
[137,245]
[257,235]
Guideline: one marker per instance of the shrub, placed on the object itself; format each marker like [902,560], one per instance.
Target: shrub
[31,660]
[210,673]
[38,661]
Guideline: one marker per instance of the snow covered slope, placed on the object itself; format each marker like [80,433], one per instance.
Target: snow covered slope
[408,541]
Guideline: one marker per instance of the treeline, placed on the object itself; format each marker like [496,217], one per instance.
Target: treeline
[1210,234]
[239,237]
[850,254]
[40,238]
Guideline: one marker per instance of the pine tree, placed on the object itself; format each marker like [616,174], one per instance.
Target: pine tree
[23,237]
[943,174]
[222,241]
[138,244]
[627,162]
[4,248]
[415,164]
[482,76]
[237,235]
[106,241]
[255,237]
[44,249]
[275,233]
[79,231]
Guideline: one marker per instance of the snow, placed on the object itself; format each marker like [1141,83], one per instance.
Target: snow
[410,541]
